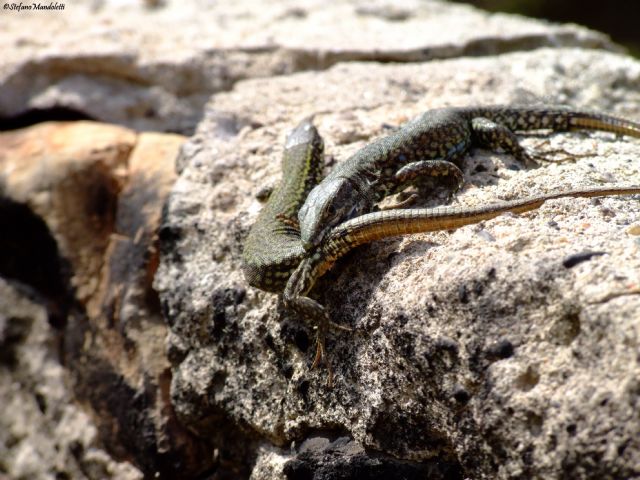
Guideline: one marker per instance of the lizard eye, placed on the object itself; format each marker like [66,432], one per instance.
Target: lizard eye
[332,210]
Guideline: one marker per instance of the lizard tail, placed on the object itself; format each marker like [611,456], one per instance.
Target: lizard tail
[605,123]
[556,118]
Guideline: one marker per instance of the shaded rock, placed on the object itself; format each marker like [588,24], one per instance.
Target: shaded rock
[44,433]
[327,457]
[486,408]
[88,198]
[30,256]
[155,69]
[70,174]
[344,459]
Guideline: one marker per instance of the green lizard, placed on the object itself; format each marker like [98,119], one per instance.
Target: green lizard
[427,146]
[273,249]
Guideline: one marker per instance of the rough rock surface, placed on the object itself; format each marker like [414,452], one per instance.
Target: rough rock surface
[481,353]
[46,434]
[503,350]
[155,68]
[70,174]
[79,209]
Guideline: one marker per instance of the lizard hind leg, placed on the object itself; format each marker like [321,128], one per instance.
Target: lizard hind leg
[494,136]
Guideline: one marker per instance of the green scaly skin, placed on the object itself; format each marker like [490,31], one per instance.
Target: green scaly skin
[427,146]
[273,249]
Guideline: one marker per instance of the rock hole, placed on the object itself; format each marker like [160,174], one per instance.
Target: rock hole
[565,330]
[534,423]
[40,115]
[30,255]
[528,380]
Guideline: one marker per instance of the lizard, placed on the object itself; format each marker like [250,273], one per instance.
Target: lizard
[431,145]
[273,249]
[389,223]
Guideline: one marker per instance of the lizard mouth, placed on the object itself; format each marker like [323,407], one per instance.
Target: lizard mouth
[312,243]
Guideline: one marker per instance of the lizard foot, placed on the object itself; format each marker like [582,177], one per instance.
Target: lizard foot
[317,314]
[562,155]
[321,356]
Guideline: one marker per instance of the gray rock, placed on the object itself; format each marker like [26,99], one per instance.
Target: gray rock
[153,69]
[476,348]
[502,350]
[44,434]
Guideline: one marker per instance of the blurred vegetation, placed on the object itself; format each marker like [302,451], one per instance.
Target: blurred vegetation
[620,19]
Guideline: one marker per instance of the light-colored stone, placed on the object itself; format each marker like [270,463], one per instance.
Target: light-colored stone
[428,370]
[155,68]
[269,465]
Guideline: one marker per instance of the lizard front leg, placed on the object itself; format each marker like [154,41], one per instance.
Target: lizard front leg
[295,298]
[494,136]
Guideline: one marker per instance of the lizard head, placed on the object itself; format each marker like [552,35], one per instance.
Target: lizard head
[330,203]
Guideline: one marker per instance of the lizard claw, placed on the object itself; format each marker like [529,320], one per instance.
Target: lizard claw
[337,326]
[319,354]
[321,357]
[315,312]
[564,155]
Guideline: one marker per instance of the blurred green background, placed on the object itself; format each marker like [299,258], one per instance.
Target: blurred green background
[620,19]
